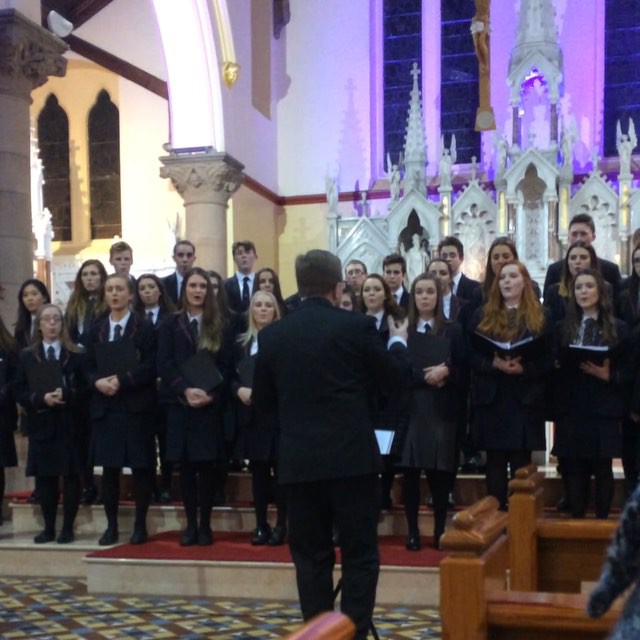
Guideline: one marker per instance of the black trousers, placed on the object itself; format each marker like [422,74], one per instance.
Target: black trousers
[261,483]
[499,462]
[313,507]
[579,472]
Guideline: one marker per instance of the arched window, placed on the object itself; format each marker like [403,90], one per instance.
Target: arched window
[402,20]
[621,69]
[459,79]
[104,168]
[53,140]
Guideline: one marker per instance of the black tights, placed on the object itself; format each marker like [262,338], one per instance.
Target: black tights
[440,483]
[579,474]
[142,486]
[197,481]
[261,481]
[497,477]
[50,496]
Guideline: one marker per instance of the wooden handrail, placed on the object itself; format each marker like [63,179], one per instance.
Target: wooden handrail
[331,625]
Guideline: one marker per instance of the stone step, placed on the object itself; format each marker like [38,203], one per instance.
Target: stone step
[91,520]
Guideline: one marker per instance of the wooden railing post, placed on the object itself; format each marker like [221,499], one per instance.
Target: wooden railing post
[526,505]
[478,556]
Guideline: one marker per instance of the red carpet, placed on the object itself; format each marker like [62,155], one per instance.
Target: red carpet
[236,547]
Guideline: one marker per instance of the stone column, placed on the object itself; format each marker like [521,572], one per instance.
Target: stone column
[205,181]
[28,55]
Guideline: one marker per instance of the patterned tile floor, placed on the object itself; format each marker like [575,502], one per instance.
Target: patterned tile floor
[61,608]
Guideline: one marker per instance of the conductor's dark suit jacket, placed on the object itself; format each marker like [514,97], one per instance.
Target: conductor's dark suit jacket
[315,368]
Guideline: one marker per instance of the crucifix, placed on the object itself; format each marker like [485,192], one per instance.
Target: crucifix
[485,120]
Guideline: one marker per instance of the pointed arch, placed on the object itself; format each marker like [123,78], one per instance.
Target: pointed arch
[104,168]
[53,140]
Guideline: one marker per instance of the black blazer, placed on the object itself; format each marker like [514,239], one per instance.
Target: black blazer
[405,298]
[315,369]
[175,346]
[465,287]
[40,426]
[137,386]
[170,283]
[609,270]
[234,295]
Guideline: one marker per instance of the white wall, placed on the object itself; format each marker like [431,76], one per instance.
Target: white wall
[324,117]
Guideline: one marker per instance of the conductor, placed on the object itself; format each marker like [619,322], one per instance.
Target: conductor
[316,369]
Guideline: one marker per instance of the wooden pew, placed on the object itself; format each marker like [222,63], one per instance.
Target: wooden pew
[551,553]
[327,626]
[478,597]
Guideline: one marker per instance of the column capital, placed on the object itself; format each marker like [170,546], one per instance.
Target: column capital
[206,177]
[29,54]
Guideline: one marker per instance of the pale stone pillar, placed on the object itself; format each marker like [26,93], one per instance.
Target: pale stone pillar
[205,181]
[28,55]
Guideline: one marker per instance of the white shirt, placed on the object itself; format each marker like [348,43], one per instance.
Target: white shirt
[421,325]
[454,282]
[154,311]
[378,317]
[241,276]
[122,322]
[57,347]
[446,305]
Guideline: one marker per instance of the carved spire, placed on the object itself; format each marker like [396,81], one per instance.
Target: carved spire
[537,44]
[415,146]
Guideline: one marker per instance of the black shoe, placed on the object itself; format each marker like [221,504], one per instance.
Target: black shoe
[261,536]
[205,537]
[413,542]
[65,537]
[278,536]
[89,495]
[451,503]
[563,504]
[45,536]
[336,538]
[165,496]
[33,498]
[109,537]
[189,537]
[139,535]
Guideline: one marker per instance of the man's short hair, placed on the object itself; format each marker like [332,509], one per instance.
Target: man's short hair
[583,218]
[119,247]
[394,258]
[358,262]
[317,273]
[452,241]
[187,242]
[247,245]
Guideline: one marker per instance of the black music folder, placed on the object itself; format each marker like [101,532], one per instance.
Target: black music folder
[44,377]
[246,370]
[527,348]
[201,371]
[116,358]
[574,355]
[428,350]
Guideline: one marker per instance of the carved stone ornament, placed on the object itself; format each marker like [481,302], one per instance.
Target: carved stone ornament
[29,54]
[211,177]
